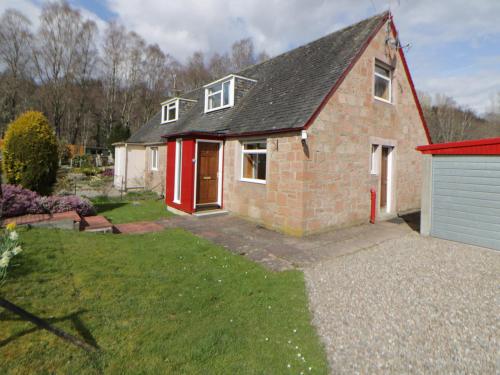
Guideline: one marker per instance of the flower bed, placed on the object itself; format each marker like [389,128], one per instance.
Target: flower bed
[17,201]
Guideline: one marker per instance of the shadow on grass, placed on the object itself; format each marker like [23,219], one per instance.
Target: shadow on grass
[75,319]
[103,207]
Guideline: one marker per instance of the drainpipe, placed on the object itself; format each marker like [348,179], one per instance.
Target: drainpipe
[373,197]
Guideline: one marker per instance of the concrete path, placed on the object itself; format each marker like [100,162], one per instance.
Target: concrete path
[281,252]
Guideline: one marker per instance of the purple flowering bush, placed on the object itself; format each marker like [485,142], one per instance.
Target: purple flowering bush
[17,201]
[108,172]
[55,204]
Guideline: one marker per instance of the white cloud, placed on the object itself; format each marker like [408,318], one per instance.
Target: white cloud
[182,27]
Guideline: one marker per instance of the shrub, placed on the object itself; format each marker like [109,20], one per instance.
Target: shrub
[17,201]
[30,153]
[55,204]
[108,172]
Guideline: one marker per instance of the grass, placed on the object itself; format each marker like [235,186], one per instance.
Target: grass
[159,303]
[133,207]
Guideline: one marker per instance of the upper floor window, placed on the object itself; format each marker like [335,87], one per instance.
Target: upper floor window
[253,161]
[170,111]
[219,95]
[383,82]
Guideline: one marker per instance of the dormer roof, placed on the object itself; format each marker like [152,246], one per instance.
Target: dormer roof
[284,92]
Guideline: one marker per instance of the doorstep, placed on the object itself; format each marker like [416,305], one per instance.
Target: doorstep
[211,213]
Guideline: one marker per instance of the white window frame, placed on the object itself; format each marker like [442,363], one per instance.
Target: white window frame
[165,107]
[388,79]
[178,171]
[244,152]
[375,159]
[221,92]
[154,158]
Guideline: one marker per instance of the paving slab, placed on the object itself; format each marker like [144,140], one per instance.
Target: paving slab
[139,227]
[281,252]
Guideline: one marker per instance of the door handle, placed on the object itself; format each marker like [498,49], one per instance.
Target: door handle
[207,177]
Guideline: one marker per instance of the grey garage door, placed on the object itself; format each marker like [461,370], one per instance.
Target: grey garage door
[466,199]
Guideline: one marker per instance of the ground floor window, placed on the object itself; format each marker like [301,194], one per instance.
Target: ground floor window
[253,161]
[374,164]
[154,158]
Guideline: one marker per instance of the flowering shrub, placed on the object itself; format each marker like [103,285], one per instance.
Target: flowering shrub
[9,247]
[18,201]
[55,204]
[108,172]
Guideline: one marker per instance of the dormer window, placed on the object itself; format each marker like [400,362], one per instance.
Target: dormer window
[170,111]
[219,95]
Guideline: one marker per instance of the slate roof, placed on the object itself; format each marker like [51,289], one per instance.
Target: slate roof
[289,88]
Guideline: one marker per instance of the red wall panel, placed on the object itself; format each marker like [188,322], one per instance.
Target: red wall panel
[187,175]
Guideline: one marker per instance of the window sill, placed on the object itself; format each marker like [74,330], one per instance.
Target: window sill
[252,180]
[382,100]
[154,169]
[169,121]
[218,108]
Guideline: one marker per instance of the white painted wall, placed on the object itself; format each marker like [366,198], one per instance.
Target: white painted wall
[119,174]
[136,159]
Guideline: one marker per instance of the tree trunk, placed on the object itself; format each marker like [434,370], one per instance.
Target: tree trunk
[44,325]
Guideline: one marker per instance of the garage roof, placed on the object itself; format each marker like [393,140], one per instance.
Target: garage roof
[489,146]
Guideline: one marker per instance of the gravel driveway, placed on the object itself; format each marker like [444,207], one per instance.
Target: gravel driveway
[411,305]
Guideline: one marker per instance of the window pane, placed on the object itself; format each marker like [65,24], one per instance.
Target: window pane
[382,71]
[260,172]
[214,101]
[226,92]
[254,166]
[172,113]
[215,88]
[248,165]
[255,146]
[381,88]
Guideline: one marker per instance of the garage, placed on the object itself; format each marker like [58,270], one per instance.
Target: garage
[461,192]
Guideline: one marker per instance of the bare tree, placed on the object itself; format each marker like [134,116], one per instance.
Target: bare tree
[15,41]
[447,121]
[83,71]
[219,65]
[132,75]
[112,69]
[242,54]
[54,54]
[195,73]
[262,56]
[156,73]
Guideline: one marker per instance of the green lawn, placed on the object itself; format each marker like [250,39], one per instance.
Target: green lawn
[160,303]
[128,210]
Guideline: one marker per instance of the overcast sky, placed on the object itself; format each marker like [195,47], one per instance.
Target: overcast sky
[455,44]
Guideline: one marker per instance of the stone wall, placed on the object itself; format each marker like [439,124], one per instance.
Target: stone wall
[338,182]
[155,180]
[326,183]
[278,203]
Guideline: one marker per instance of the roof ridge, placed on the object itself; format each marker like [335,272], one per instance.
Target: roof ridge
[385,14]
[240,72]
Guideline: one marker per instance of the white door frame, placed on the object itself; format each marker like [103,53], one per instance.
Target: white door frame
[219,171]
[390,177]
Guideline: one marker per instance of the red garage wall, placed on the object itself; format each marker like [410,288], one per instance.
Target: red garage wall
[187,176]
